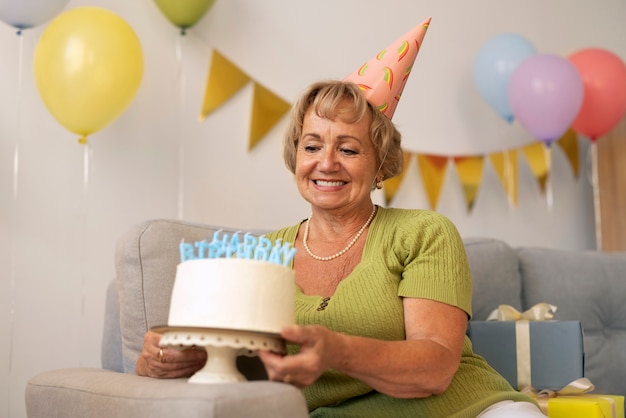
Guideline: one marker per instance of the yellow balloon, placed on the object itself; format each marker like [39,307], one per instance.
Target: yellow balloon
[88,66]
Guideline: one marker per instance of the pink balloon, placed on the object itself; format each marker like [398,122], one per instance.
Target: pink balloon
[545,95]
[604,80]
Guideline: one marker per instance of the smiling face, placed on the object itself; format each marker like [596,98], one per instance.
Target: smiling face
[335,162]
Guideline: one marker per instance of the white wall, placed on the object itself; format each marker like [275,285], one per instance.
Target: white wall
[59,225]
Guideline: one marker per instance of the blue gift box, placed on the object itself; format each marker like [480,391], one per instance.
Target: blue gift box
[557,354]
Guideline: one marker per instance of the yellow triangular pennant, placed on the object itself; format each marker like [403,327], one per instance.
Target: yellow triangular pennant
[505,165]
[391,186]
[538,161]
[470,172]
[223,81]
[433,170]
[267,110]
[569,144]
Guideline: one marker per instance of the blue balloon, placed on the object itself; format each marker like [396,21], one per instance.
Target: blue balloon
[494,64]
[25,14]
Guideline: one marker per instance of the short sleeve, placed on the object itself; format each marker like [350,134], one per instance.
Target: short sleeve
[435,263]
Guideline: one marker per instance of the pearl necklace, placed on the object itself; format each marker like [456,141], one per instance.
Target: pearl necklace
[340,253]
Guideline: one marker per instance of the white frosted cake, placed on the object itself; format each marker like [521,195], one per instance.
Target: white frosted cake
[234,283]
[231,297]
[234,294]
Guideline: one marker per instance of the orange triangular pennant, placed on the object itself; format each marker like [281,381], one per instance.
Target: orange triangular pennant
[223,81]
[470,172]
[569,144]
[391,186]
[267,110]
[433,170]
[505,165]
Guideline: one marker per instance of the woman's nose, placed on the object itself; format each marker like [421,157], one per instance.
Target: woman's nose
[328,159]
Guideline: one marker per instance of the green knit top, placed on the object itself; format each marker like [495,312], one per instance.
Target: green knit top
[408,253]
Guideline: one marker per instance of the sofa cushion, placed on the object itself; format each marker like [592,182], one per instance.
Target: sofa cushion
[495,275]
[588,286]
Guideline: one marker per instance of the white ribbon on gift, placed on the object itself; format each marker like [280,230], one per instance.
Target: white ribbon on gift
[538,312]
[579,387]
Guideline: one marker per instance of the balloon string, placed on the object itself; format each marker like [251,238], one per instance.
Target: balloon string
[509,179]
[181,137]
[16,153]
[86,174]
[549,191]
[15,211]
[595,183]
[86,161]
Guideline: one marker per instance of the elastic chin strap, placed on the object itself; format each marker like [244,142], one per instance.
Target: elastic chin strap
[379,184]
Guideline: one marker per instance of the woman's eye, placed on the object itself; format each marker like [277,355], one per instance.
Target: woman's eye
[348,151]
[310,148]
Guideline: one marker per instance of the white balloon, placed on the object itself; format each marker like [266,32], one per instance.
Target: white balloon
[24,14]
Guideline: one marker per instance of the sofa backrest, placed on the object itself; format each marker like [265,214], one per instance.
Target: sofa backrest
[496,277]
[588,286]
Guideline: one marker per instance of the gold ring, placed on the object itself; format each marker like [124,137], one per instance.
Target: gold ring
[161,356]
[287,378]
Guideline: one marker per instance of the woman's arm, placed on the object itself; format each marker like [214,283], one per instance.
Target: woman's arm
[420,366]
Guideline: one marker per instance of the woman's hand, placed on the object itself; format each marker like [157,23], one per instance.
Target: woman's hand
[155,361]
[304,368]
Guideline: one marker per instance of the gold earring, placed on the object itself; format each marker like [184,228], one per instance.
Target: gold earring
[379,184]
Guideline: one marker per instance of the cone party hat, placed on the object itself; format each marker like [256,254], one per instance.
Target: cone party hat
[382,79]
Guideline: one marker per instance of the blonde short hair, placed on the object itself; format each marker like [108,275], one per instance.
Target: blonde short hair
[327,99]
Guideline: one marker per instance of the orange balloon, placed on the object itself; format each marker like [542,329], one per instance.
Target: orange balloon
[604,101]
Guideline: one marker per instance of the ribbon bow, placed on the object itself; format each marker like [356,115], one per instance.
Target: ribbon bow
[578,387]
[538,312]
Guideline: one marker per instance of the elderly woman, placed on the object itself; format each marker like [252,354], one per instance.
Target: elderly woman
[383,295]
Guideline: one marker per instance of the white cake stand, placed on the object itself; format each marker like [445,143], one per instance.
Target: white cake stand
[222,347]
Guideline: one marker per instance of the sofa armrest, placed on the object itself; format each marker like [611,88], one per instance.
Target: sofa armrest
[98,393]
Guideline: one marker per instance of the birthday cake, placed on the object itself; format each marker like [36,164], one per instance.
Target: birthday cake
[234,282]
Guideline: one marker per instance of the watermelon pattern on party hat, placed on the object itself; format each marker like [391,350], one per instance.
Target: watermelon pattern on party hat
[382,79]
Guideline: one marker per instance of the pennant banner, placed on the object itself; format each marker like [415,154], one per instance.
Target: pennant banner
[505,164]
[470,172]
[569,145]
[267,110]
[225,79]
[537,158]
[433,170]
[391,186]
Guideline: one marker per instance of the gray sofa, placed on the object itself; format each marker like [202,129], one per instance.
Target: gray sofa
[587,286]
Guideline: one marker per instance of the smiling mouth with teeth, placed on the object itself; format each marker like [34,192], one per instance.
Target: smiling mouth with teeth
[329,183]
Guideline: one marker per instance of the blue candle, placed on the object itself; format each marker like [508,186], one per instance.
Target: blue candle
[233,245]
[249,242]
[187,251]
[203,248]
[249,247]
[288,253]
